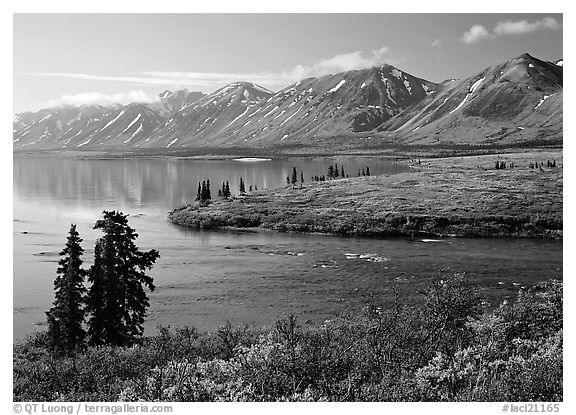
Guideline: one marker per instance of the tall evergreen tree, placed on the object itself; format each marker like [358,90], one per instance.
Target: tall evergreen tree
[367,171]
[242,187]
[224,190]
[336,172]
[203,195]
[330,172]
[342,171]
[301,178]
[118,276]
[65,318]
[227,194]
[96,299]
[208,194]
[294,178]
[199,193]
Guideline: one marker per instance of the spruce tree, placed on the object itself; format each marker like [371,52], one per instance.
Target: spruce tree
[203,194]
[242,187]
[294,178]
[301,178]
[199,193]
[65,318]
[330,172]
[336,172]
[342,172]
[208,194]
[117,300]
[96,299]
[367,171]
[227,194]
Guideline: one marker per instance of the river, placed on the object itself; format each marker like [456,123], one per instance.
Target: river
[206,278]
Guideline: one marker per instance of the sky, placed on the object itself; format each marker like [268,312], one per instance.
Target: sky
[75,59]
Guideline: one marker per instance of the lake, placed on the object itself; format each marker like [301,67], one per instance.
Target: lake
[206,278]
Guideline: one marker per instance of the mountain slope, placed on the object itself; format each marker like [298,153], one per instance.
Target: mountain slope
[516,100]
[332,104]
[53,127]
[209,117]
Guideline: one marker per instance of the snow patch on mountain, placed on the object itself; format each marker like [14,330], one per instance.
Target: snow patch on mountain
[542,101]
[84,143]
[172,142]
[337,87]
[138,130]
[293,114]
[132,123]
[473,88]
[235,119]
[113,121]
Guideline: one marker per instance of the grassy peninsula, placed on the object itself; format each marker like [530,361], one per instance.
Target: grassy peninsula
[455,196]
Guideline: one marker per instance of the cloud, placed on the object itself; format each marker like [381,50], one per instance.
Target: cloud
[346,62]
[437,43]
[522,26]
[209,81]
[475,34]
[97,98]
[478,32]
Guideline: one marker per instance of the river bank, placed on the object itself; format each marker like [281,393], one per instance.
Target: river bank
[456,196]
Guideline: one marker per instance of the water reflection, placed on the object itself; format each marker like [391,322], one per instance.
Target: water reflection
[206,278]
[159,182]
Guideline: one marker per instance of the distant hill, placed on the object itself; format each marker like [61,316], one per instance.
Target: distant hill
[517,101]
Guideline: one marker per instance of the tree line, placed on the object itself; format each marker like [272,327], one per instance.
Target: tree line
[502,165]
[204,195]
[112,310]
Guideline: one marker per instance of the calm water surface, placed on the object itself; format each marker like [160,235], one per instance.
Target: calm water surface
[206,278]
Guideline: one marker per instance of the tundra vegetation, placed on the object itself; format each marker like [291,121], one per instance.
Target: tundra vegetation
[448,346]
[454,196]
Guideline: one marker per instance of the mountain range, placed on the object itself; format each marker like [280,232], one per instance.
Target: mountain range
[518,101]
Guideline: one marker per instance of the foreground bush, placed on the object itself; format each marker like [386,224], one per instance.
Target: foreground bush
[446,348]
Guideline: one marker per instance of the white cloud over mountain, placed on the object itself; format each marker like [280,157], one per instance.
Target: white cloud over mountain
[478,33]
[209,81]
[97,98]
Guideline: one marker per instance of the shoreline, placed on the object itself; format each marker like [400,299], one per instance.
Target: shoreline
[441,197]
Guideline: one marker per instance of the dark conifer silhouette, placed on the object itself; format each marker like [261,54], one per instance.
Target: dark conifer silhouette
[117,301]
[66,317]
[227,193]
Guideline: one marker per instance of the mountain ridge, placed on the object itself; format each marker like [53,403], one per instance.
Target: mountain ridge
[520,99]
